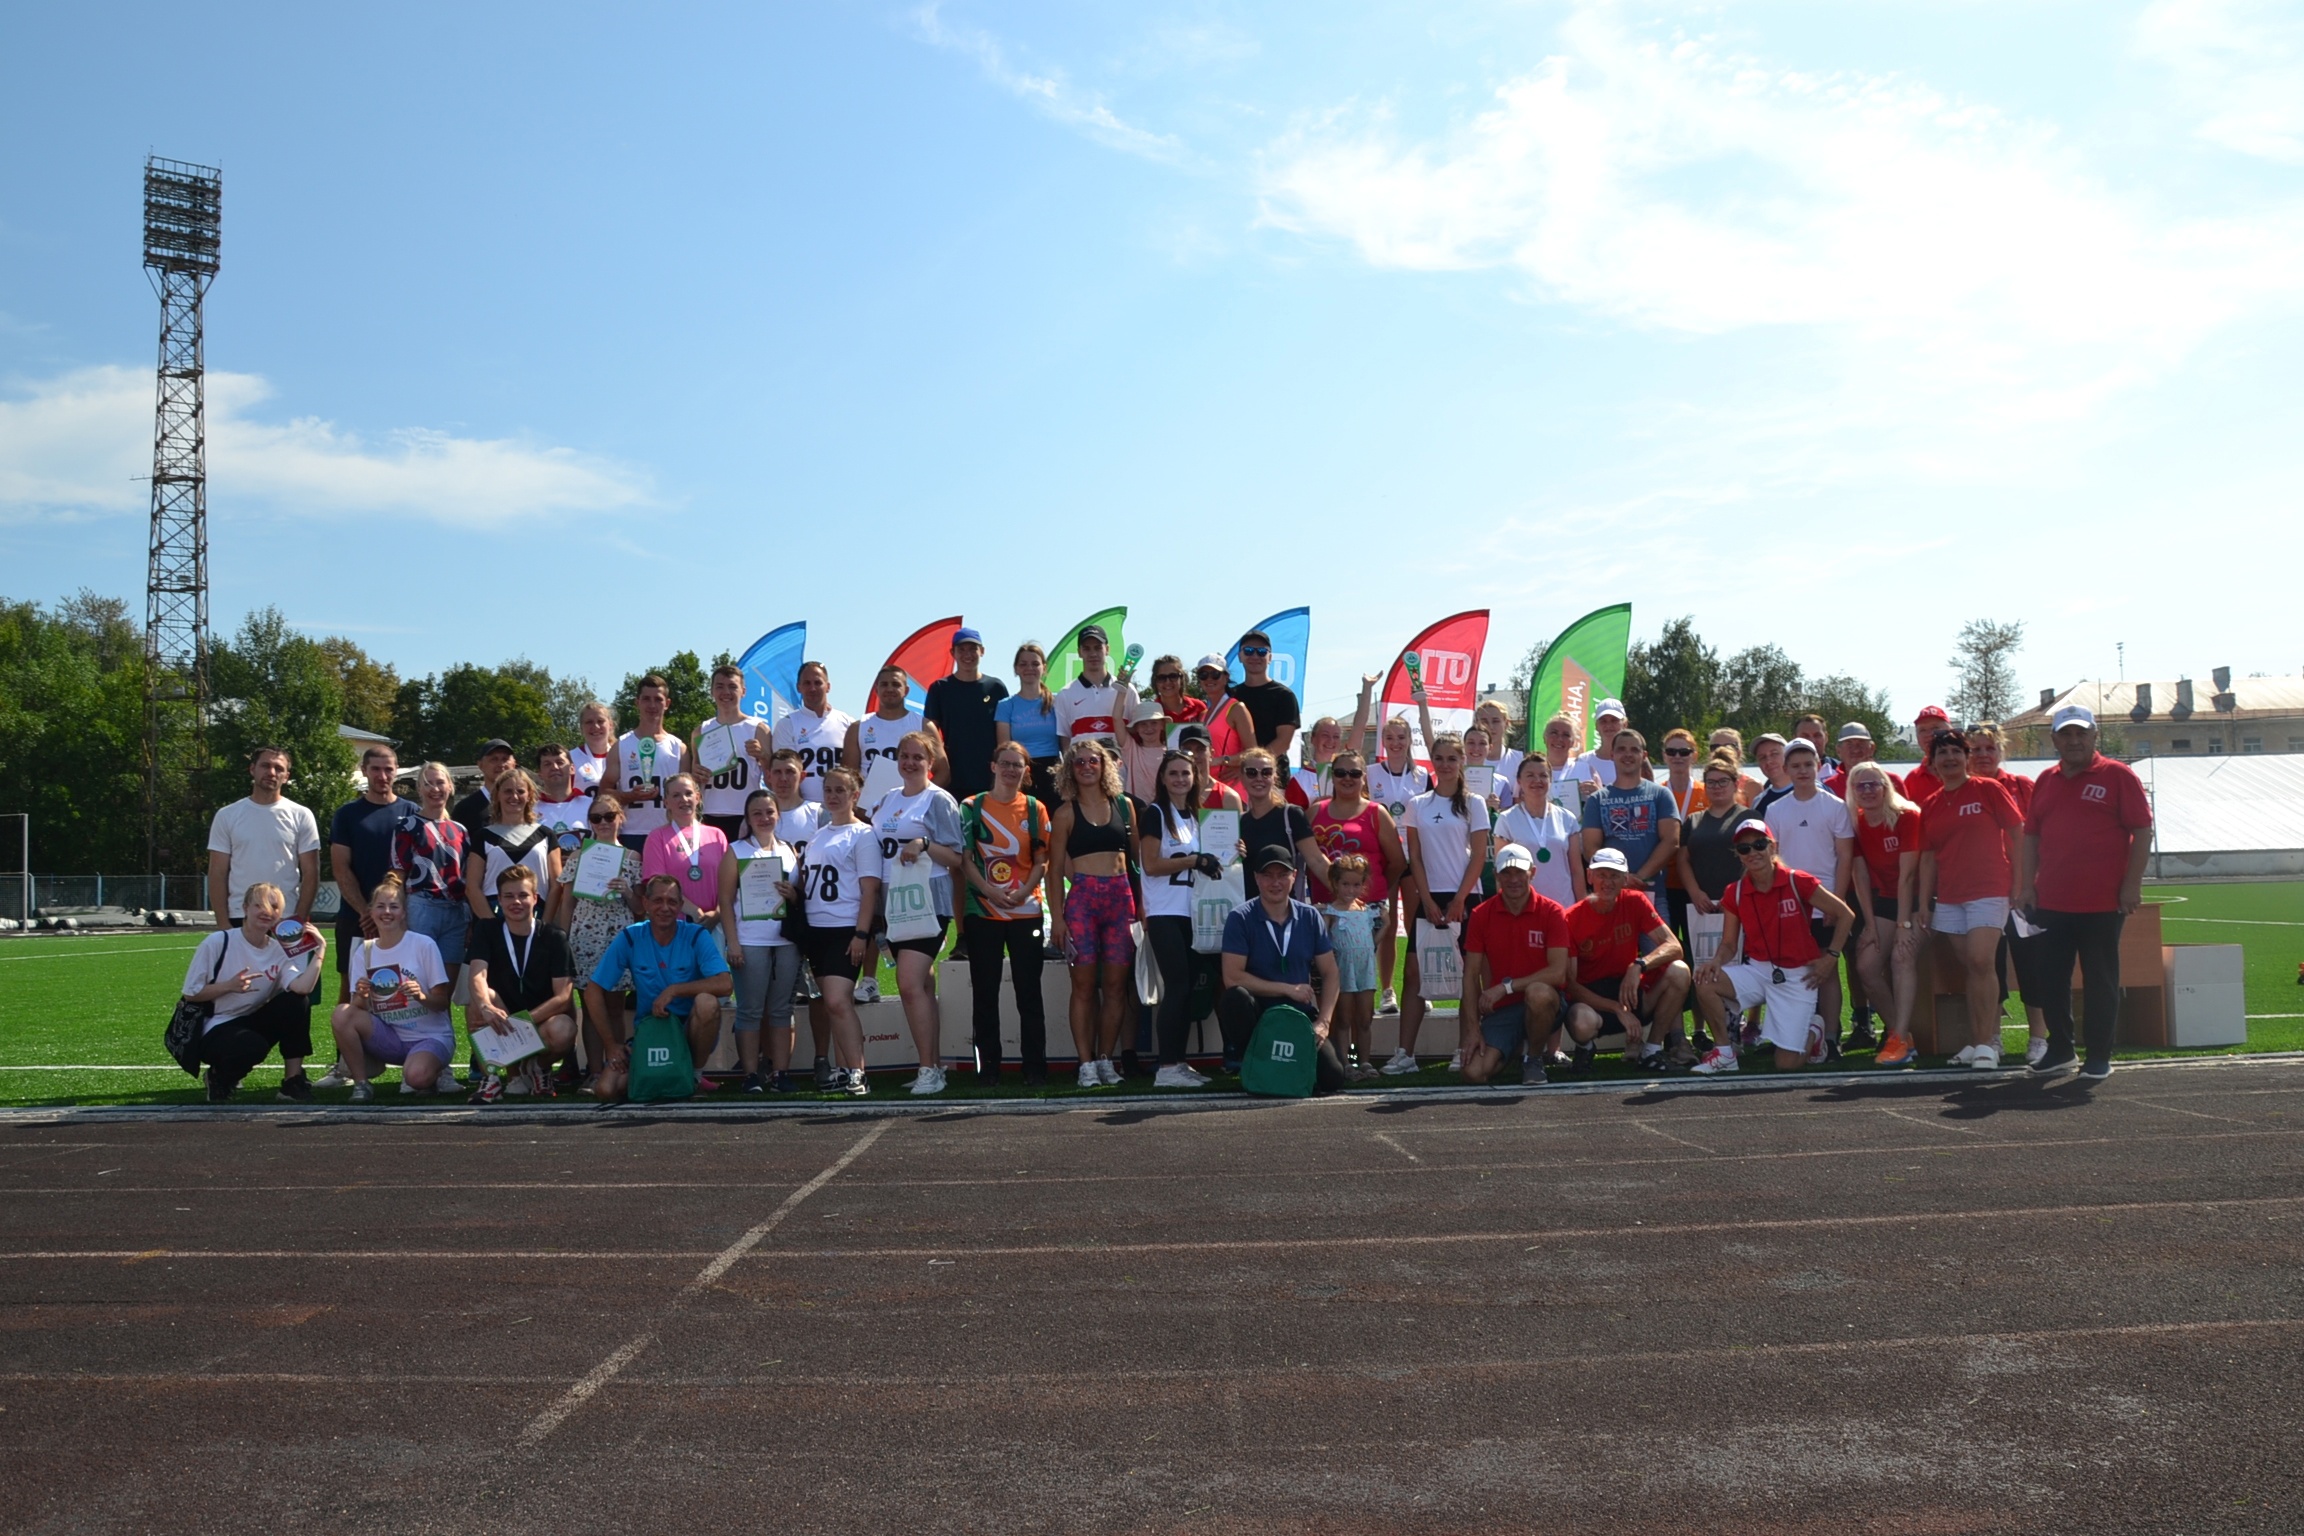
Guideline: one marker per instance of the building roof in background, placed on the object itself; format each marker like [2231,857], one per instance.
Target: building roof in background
[2252,698]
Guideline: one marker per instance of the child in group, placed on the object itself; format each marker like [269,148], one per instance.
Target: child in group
[1352,930]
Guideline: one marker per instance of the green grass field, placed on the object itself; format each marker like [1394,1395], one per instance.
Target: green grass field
[80,1017]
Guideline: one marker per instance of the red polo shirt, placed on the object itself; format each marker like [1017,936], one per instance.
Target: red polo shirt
[1516,943]
[2084,822]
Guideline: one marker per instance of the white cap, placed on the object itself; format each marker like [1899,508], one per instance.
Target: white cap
[2073,714]
[1211,660]
[1612,858]
[1610,707]
[1514,856]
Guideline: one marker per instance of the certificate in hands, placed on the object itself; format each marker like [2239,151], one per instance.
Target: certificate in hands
[1480,779]
[1220,835]
[757,899]
[598,864]
[515,1040]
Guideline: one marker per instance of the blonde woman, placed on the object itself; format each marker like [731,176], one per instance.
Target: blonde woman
[398,1015]
[512,836]
[1887,878]
[261,995]
[1091,904]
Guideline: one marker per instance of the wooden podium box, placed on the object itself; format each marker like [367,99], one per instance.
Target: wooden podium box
[2143,989]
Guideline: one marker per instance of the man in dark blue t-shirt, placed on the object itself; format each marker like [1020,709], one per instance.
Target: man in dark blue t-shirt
[1273,948]
[360,852]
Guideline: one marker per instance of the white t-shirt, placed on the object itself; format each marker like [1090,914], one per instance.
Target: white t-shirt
[1806,829]
[1170,895]
[818,739]
[418,957]
[536,844]
[635,768]
[797,825]
[1394,791]
[764,931]
[588,767]
[931,814]
[1099,711]
[1552,836]
[225,954]
[876,741]
[726,787]
[263,842]
[1444,840]
[838,857]
[573,814]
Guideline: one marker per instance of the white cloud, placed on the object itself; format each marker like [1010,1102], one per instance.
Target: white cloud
[1049,91]
[2239,65]
[80,446]
[1679,187]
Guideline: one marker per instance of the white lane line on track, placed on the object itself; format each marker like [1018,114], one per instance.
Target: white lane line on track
[541,1427]
[1386,1138]
[2174,1110]
[1934,1125]
[1668,1136]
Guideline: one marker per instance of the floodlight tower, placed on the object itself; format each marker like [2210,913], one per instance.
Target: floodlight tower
[183,241]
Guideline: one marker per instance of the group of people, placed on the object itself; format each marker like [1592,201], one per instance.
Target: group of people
[730,880]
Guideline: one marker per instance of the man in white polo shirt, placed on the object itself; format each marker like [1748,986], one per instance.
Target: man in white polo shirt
[267,838]
[1095,704]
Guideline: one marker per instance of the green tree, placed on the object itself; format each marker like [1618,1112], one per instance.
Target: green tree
[1759,690]
[1840,699]
[689,681]
[369,686]
[275,687]
[72,734]
[1672,682]
[1985,664]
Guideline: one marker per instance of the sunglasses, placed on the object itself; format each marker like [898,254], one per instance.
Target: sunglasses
[1679,751]
[1167,677]
[600,821]
[1255,650]
[1346,773]
[1256,773]
[1749,849]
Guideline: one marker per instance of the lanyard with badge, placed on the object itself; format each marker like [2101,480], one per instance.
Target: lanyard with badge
[519,963]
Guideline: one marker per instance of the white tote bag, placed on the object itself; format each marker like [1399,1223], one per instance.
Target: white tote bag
[1440,967]
[911,903]
[1704,931]
[1214,898]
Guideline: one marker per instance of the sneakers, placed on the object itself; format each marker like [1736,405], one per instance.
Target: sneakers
[446,1082]
[929,1080]
[828,1076]
[2098,1069]
[363,1093]
[1532,1073]
[868,990]
[1089,1076]
[1986,1059]
[519,1084]
[1861,1037]
[1401,1064]
[756,1082]
[1652,1059]
[854,1084]
[1178,1076]
[490,1090]
[1819,1045]
[1456,1062]
[1718,1060]
[2052,1061]
[1106,1073]
[296,1090]
[336,1077]
[1896,1051]
[1390,1002]
[782,1082]
[1580,1061]
[2035,1049]
[219,1089]
[406,1086]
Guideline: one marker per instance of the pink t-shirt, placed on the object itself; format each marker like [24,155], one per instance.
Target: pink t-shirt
[689,855]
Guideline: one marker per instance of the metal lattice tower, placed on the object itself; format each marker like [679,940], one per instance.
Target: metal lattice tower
[183,242]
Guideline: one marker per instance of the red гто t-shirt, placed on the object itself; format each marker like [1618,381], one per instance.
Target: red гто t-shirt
[1837,783]
[1516,943]
[2019,790]
[1881,846]
[1921,785]
[1965,829]
[2085,822]
[1608,943]
[1775,922]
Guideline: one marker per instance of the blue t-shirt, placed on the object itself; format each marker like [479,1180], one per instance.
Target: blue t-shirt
[1631,820]
[1029,724]
[365,829]
[1281,952]
[692,955]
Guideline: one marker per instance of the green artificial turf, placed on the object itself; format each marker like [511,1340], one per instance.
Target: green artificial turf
[100,1001]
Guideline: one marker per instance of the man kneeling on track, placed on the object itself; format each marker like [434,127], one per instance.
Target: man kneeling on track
[521,967]
[1515,966]
[677,971]
[1768,911]
[1614,982]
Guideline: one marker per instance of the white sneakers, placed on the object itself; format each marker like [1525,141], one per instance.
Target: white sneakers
[2036,1050]
[1391,1002]
[868,988]
[1719,1059]
[1106,1073]
[1400,1065]
[1819,1049]
[336,1078]
[929,1080]
[1178,1076]
[1089,1077]
[1456,1062]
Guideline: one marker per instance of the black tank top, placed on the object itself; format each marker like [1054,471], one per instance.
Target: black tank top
[1087,837]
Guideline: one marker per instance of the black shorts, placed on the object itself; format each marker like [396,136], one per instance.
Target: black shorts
[1611,986]
[929,947]
[828,954]
[1884,908]
[1823,930]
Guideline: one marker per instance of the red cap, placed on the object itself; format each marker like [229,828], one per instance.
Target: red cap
[1932,712]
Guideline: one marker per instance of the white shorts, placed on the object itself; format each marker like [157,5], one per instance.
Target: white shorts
[1791,1003]
[1967,916]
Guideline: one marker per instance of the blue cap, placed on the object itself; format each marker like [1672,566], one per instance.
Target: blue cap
[966,636]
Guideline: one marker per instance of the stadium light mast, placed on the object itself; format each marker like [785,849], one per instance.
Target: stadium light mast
[183,243]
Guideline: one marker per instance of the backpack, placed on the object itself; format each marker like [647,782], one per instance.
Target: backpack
[1281,1060]
[190,1020]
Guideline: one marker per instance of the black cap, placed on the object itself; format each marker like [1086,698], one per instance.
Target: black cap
[496,744]
[1195,731]
[1256,635]
[1277,854]
[1093,632]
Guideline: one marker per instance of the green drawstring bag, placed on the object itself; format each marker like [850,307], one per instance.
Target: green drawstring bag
[661,1066]
[1281,1059]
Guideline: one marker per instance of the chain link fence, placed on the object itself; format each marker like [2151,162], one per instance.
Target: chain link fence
[52,894]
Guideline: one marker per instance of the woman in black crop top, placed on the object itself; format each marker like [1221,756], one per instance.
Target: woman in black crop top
[1091,904]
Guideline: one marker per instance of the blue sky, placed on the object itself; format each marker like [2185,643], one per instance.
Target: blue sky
[563,331]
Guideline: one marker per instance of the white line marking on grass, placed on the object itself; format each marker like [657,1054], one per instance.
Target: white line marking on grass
[541,1427]
[1668,1136]
[2276,1015]
[1934,1125]
[166,1066]
[106,954]
[2239,922]
[1386,1138]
